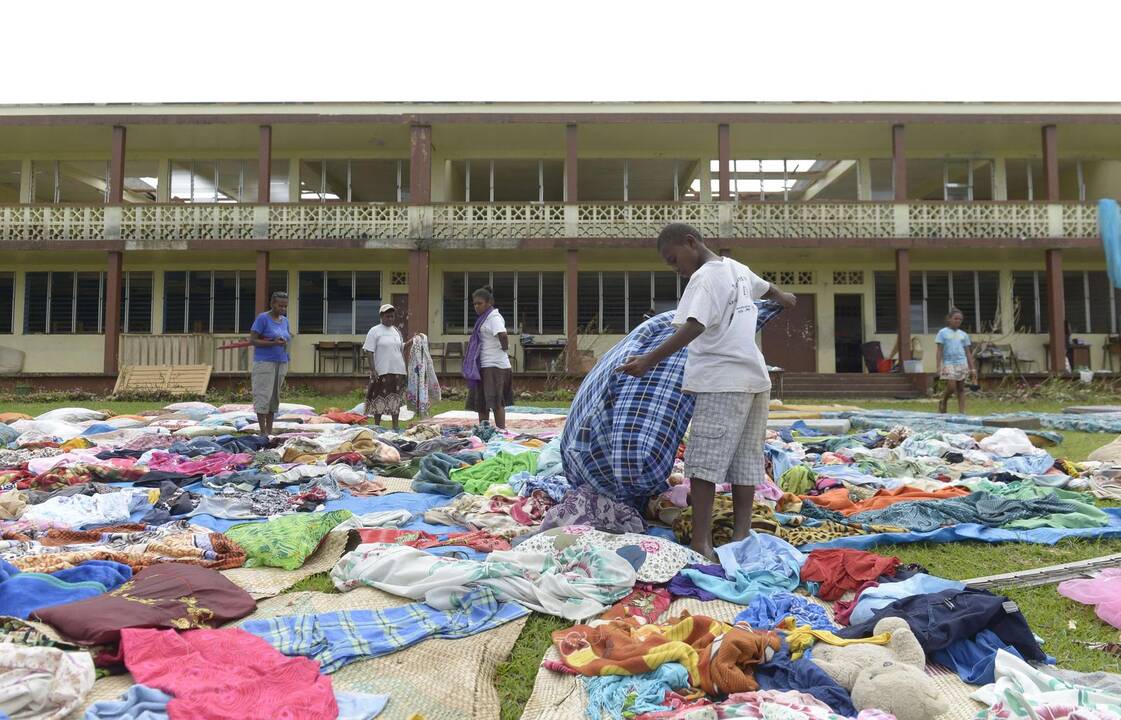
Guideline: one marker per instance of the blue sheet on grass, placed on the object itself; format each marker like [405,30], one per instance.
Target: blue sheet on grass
[977,532]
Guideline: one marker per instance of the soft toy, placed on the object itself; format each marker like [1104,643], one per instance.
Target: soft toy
[884,677]
[902,690]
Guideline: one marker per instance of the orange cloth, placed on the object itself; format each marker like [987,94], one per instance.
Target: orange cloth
[631,647]
[838,499]
[10,417]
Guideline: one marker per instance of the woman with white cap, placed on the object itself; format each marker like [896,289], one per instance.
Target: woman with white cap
[385,348]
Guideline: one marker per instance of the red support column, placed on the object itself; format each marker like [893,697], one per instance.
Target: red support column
[724,152]
[571,146]
[418,292]
[1056,310]
[903,303]
[112,323]
[264,172]
[899,162]
[571,294]
[420,165]
[117,167]
[1051,164]
[261,288]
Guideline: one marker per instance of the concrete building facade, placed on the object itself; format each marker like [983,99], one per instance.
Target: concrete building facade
[144,234]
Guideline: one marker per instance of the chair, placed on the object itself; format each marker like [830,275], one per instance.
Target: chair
[324,351]
[453,351]
[1111,349]
[1010,357]
[437,351]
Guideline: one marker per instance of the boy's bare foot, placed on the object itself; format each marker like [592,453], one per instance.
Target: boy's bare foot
[704,549]
[736,537]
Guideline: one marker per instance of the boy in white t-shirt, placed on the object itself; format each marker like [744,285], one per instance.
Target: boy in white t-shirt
[726,372]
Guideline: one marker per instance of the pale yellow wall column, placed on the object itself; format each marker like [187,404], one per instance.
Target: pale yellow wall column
[706,179]
[157,302]
[447,185]
[864,179]
[1000,179]
[293,183]
[440,179]
[18,292]
[1007,308]
[163,180]
[25,189]
[826,333]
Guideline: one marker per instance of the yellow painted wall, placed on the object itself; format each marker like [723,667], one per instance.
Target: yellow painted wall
[83,353]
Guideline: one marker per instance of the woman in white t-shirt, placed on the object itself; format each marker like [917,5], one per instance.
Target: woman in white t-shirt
[486,366]
[385,348]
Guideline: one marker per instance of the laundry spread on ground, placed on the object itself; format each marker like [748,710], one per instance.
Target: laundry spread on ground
[129,535]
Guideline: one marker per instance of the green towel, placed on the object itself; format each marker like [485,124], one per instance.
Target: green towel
[798,480]
[498,469]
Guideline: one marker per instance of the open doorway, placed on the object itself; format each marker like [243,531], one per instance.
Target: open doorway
[848,332]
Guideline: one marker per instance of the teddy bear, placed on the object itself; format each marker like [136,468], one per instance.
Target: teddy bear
[887,677]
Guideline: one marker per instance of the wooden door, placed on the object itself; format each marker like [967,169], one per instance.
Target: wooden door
[790,340]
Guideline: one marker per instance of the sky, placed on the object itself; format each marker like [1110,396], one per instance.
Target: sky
[577,50]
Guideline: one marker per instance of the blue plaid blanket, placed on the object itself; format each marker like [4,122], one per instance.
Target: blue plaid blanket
[340,638]
[622,433]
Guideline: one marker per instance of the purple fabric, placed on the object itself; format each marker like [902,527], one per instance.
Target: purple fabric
[584,506]
[681,586]
[471,370]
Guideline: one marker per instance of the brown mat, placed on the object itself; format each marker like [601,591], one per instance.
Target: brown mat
[262,582]
[562,697]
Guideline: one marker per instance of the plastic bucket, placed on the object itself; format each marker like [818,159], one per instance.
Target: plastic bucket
[1086,376]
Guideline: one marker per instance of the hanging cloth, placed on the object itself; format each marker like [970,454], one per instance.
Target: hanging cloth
[1109,226]
[423,388]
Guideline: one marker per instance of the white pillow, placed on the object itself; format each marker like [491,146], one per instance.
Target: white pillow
[72,415]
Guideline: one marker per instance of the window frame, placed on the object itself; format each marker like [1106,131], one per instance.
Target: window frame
[515,314]
[353,299]
[628,312]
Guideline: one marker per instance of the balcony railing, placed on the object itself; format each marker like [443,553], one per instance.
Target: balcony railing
[506,224]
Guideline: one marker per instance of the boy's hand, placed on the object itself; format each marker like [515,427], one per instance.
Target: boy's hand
[635,366]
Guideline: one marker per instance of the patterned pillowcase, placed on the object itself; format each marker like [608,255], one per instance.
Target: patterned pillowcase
[287,541]
[655,559]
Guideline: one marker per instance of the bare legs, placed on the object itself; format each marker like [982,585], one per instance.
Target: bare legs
[953,387]
[500,418]
[264,421]
[702,494]
[743,500]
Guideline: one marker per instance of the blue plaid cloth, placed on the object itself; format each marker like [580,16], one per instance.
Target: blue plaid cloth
[339,638]
[622,433]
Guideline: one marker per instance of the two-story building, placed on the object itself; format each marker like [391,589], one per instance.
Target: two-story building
[153,234]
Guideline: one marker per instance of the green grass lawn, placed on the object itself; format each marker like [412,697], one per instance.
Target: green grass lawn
[1062,623]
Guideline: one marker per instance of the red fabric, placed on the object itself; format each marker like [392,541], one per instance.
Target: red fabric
[839,500]
[347,418]
[347,458]
[838,571]
[476,540]
[225,674]
[842,609]
[646,601]
[529,510]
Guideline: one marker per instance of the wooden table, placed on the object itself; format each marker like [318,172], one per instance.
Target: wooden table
[1080,356]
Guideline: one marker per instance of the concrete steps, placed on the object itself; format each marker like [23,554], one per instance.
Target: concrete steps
[848,386]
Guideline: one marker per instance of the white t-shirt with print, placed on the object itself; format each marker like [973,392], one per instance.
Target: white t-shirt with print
[721,295]
[491,353]
[387,346]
